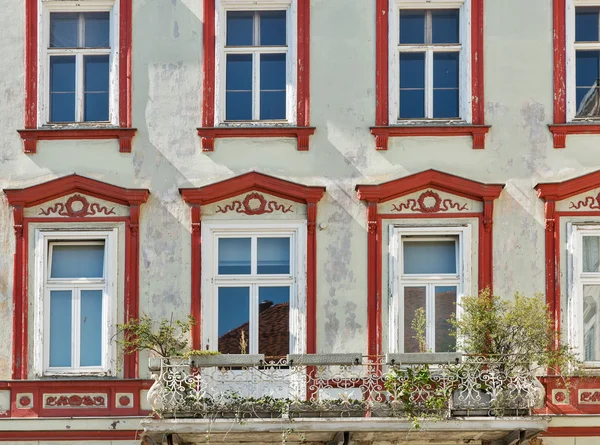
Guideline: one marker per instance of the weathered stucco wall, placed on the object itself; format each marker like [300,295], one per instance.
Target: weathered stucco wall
[167,56]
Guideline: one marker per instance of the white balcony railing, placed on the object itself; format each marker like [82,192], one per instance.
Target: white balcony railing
[345,385]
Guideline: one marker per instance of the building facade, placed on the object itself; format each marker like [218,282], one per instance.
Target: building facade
[299,176]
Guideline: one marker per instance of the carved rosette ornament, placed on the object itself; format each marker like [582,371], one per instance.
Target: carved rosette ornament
[77,206]
[590,202]
[254,204]
[429,202]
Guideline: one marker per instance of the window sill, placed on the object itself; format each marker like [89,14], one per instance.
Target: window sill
[31,136]
[382,134]
[209,134]
[560,131]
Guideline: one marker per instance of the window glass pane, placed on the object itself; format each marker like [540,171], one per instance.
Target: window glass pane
[587,74]
[239,87]
[272,86]
[412,85]
[239,28]
[234,318]
[63,29]
[445,306]
[591,253]
[445,85]
[60,328]
[412,26]
[234,256]
[273,255]
[96,74]
[414,298]
[77,261]
[272,28]
[429,257]
[274,321]
[445,103]
[97,29]
[62,88]
[90,353]
[586,24]
[445,26]
[591,322]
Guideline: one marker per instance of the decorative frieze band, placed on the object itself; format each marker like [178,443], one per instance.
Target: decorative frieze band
[429,202]
[254,204]
[75,400]
[77,206]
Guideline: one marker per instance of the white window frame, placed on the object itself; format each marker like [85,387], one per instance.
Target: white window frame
[464,81]
[577,279]
[43,285]
[571,47]
[221,8]
[45,7]
[462,279]
[211,232]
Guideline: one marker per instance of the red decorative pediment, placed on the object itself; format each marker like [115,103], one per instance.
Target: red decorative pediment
[67,185]
[557,191]
[252,182]
[429,179]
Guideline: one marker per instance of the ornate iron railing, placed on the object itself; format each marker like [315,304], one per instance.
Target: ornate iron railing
[345,385]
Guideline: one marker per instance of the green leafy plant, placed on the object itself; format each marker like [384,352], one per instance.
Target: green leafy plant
[167,338]
[200,353]
[520,331]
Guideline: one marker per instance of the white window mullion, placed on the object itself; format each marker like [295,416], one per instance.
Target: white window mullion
[429,83]
[76,323]
[79,85]
[253,327]
[430,317]
[256,86]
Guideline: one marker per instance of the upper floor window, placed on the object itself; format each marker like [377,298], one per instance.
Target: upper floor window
[78,300]
[584,298]
[256,66]
[430,62]
[253,295]
[586,52]
[430,271]
[79,63]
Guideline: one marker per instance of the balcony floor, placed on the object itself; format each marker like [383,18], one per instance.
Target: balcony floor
[366,431]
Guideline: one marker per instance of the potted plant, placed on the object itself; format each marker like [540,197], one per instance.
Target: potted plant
[506,342]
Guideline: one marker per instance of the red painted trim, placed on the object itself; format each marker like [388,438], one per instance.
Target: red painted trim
[209,134]
[382,134]
[560,81]
[72,435]
[561,131]
[429,178]
[375,194]
[477,71]
[571,187]
[31,63]
[125,40]
[254,181]
[196,308]
[303,82]
[382,131]
[208,74]
[381,64]
[311,278]
[373,295]
[301,132]
[565,431]
[32,134]
[30,137]
[47,191]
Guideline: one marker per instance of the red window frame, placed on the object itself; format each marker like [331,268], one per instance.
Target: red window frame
[383,130]
[31,134]
[560,127]
[208,132]
[254,181]
[19,199]
[375,194]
